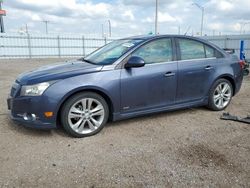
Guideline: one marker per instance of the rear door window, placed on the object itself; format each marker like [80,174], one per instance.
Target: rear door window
[210,52]
[157,51]
[190,49]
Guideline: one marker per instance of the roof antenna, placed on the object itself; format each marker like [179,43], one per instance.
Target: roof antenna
[187,30]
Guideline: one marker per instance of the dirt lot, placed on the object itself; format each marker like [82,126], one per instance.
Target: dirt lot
[185,148]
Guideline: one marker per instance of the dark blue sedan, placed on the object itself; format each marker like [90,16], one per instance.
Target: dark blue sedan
[126,78]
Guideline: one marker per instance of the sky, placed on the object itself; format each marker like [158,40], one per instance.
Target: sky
[127,17]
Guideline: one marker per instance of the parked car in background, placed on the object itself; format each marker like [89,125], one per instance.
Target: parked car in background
[126,78]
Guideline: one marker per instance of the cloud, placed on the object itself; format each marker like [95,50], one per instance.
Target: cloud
[165,17]
[128,14]
[35,17]
[62,8]
[215,26]
[146,3]
[225,6]
[128,17]
[162,17]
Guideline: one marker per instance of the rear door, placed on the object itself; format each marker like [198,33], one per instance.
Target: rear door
[196,67]
[153,85]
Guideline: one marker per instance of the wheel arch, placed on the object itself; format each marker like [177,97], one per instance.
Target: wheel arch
[99,91]
[229,78]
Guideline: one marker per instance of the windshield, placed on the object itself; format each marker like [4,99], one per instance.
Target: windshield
[109,53]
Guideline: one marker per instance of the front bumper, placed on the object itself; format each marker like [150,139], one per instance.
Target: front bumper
[23,107]
[37,124]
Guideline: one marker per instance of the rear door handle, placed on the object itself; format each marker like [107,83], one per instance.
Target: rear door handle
[168,74]
[209,67]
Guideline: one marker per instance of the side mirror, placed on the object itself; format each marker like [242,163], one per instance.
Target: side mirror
[135,61]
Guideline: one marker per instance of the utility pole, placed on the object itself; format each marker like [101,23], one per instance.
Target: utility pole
[2,13]
[102,31]
[46,25]
[156,17]
[202,15]
[109,22]
[202,19]
[26,28]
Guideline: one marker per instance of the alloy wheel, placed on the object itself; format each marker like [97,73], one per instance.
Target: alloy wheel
[86,115]
[222,95]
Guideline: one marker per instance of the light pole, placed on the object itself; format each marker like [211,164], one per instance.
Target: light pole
[156,17]
[202,15]
[109,22]
[102,32]
[46,25]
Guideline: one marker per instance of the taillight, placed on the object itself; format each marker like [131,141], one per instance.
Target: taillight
[242,64]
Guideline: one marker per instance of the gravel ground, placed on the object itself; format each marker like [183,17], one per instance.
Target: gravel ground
[185,148]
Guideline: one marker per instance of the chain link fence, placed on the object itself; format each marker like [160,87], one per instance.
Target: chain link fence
[231,41]
[39,46]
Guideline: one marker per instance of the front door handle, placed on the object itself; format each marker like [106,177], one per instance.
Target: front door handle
[208,67]
[168,74]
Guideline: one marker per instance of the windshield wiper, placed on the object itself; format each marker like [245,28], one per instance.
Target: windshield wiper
[88,61]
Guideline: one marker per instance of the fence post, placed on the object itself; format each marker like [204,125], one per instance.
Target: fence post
[59,46]
[29,45]
[83,46]
[225,42]
[105,40]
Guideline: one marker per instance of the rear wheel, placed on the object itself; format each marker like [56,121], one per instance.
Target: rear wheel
[84,114]
[220,95]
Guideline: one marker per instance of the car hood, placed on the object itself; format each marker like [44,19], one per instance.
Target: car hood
[57,71]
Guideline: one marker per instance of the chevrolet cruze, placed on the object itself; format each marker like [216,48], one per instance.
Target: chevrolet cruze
[126,78]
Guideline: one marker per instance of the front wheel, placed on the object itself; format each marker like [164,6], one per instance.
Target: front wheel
[84,114]
[220,95]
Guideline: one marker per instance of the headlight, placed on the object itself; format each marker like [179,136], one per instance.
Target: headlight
[34,90]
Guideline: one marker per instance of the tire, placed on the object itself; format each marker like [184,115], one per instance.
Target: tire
[84,114]
[220,95]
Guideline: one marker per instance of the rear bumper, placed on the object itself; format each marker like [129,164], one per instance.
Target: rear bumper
[238,83]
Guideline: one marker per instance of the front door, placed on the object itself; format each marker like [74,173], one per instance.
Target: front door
[153,85]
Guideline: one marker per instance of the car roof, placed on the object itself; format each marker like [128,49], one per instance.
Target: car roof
[152,37]
[147,37]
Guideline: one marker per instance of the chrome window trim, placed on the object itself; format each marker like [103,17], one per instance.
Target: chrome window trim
[118,61]
[166,62]
[197,59]
[112,67]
